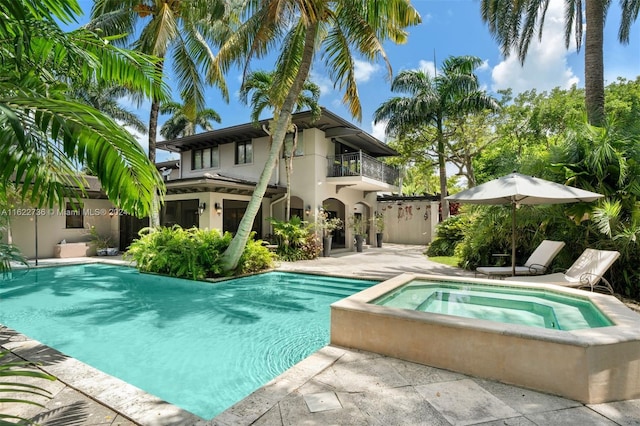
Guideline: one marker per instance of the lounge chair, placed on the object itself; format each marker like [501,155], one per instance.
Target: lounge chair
[537,263]
[586,271]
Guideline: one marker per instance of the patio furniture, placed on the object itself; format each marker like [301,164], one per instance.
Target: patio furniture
[537,263]
[586,271]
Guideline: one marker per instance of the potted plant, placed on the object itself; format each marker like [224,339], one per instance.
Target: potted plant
[358,226]
[379,222]
[326,225]
[103,243]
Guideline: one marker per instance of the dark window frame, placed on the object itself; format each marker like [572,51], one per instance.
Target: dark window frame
[74,216]
[241,148]
[212,165]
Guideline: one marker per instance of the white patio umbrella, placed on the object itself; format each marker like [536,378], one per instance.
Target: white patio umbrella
[516,189]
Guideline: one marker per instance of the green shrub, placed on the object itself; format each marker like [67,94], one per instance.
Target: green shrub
[256,257]
[448,234]
[192,253]
[296,239]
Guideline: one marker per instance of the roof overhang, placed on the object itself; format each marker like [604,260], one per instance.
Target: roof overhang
[334,127]
[220,184]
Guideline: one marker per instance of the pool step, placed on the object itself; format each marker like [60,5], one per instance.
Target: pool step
[322,289]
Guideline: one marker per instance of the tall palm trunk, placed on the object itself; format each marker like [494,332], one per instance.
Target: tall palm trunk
[594,62]
[444,203]
[232,254]
[154,217]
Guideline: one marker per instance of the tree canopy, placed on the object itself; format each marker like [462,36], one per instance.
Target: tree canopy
[46,134]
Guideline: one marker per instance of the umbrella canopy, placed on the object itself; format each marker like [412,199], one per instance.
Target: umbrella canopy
[516,189]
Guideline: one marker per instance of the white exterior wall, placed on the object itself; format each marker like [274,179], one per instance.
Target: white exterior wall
[250,171]
[52,228]
[409,222]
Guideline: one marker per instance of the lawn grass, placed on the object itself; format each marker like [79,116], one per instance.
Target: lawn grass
[446,260]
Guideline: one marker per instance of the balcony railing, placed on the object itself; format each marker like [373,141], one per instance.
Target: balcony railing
[361,164]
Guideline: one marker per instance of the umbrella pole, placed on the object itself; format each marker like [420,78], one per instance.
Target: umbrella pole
[513,239]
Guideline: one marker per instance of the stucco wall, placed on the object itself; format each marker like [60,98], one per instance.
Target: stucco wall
[51,227]
[409,222]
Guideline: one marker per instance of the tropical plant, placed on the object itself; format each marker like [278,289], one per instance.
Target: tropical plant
[305,28]
[293,238]
[192,253]
[449,233]
[379,223]
[99,240]
[105,98]
[358,224]
[325,224]
[184,29]
[260,85]
[186,119]
[44,136]
[514,24]
[9,254]
[19,368]
[431,100]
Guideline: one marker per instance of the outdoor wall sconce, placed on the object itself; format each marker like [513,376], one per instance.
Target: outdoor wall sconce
[201,208]
[218,208]
[307,210]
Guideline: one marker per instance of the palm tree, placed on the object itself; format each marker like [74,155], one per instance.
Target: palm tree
[45,134]
[260,83]
[514,23]
[306,27]
[105,98]
[430,101]
[186,119]
[183,28]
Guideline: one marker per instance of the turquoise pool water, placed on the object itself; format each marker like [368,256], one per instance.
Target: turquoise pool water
[200,346]
[504,304]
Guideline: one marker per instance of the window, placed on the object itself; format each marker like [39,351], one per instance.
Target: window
[205,158]
[73,215]
[288,142]
[215,157]
[244,152]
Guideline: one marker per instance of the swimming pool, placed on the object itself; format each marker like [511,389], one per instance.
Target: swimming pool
[511,305]
[198,345]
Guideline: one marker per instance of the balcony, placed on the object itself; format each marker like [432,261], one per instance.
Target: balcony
[362,172]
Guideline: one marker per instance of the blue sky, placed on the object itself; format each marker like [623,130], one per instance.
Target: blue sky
[452,28]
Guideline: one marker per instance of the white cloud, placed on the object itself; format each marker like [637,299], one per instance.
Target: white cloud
[363,70]
[546,64]
[428,67]
[324,83]
[377,130]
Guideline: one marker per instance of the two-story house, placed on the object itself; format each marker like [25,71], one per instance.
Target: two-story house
[336,167]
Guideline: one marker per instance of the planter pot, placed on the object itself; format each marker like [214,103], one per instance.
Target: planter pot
[359,242]
[112,251]
[101,252]
[326,246]
[379,236]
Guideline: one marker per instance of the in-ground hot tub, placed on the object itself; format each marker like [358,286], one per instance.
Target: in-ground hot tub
[591,364]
